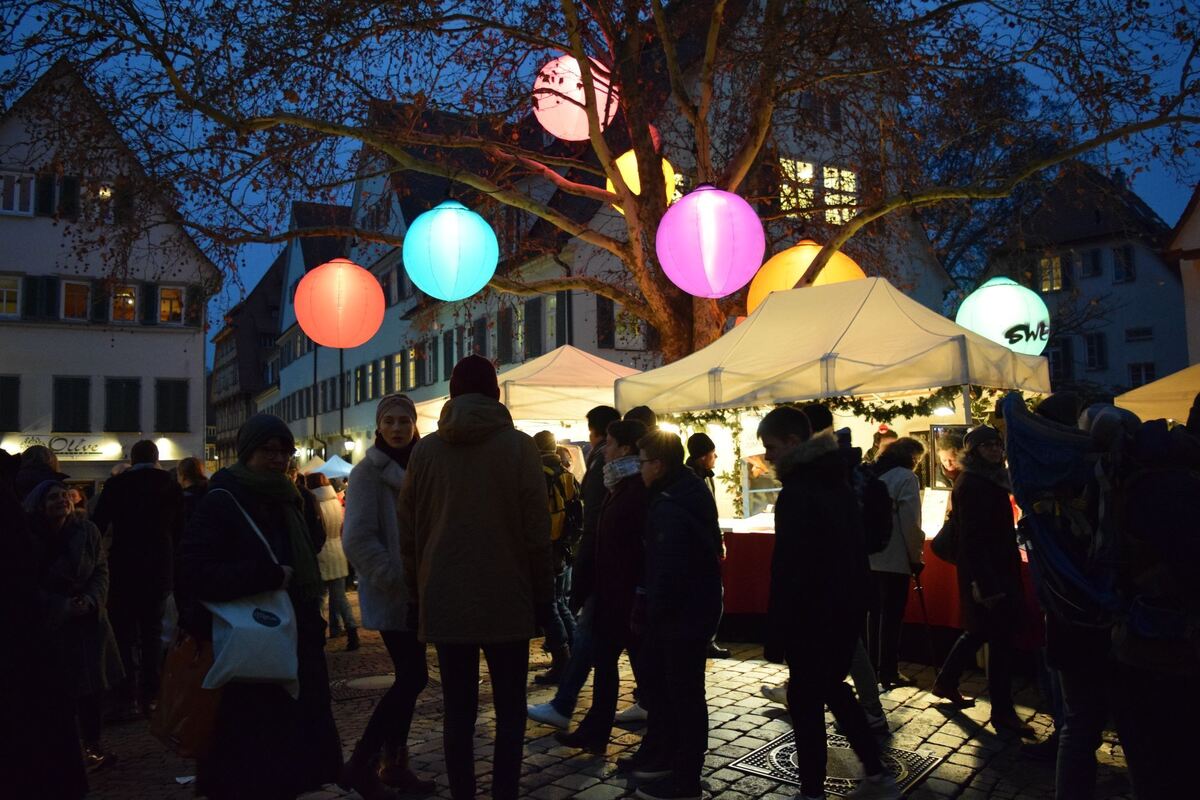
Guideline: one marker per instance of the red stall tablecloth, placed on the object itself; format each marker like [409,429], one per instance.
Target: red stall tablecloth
[746,572]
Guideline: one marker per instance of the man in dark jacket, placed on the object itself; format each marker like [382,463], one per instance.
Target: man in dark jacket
[144,507]
[819,585]
[678,614]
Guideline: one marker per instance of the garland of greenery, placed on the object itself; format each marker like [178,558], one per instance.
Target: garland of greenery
[983,404]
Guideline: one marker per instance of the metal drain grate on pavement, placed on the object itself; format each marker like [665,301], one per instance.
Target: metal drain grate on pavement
[777,761]
[356,686]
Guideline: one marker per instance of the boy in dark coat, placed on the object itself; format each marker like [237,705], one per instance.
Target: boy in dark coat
[682,604]
[819,585]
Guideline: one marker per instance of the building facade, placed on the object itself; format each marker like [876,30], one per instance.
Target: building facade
[1098,256]
[1185,246]
[100,345]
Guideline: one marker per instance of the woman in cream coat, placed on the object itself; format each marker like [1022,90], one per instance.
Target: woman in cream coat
[903,556]
[371,540]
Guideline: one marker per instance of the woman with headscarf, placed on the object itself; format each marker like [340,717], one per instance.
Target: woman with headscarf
[372,541]
[266,744]
[74,588]
[332,560]
[989,577]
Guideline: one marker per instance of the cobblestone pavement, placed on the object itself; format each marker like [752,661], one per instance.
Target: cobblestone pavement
[978,763]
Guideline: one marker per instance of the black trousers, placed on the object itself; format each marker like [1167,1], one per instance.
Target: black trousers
[673,693]
[606,684]
[137,625]
[885,620]
[392,718]
[816,679]
[998,636]
[508,666]
[88,713]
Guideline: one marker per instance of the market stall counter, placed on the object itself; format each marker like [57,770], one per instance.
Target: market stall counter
[749,544]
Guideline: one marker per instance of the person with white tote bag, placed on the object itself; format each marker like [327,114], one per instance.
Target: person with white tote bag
[248,580]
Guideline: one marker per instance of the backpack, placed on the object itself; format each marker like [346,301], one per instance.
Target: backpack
[876,506]
[1084,499]
[566,507]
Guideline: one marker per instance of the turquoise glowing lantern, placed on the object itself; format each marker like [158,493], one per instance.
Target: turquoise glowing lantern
[1008,313]
[710,242]
[450,252]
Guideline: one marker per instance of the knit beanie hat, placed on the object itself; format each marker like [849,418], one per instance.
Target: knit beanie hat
[260,429]
[698,444]
[474,375]
[392,403]
[977,436]
[37,497]
[819,417]
[545,441]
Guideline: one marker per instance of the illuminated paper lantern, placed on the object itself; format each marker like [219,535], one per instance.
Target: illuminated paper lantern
[450,252]
[339,304]
[1008,313]
[627,166]
[710,242]
[558,99]
[784,270]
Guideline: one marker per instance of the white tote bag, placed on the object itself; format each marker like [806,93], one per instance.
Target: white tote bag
[254,637]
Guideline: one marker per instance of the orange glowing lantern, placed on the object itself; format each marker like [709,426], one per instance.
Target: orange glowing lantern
[339,304]
[784,270]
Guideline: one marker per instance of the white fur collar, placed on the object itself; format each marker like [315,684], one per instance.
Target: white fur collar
[389,471]
[811,449]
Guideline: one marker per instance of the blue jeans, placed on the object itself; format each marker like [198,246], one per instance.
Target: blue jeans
[561,632]
[340,613]
[580,664]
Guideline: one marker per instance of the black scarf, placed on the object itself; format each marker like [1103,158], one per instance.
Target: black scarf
[996,473]
[398,454]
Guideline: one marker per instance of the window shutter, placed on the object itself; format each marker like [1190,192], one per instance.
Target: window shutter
[433,360]
[68,197]
[43,198]
[193,306]
[562,328]
[10,403]
[422,360]
[50,297]
[479,337]
[31,297]
[533,327]
[389,375]
[100,302]
[150,305]
[504,335]
[606,323]
[1068,364]
[448,352]
[122,202]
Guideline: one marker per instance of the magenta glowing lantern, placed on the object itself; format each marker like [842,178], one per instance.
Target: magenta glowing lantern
[558,99]
[710,242]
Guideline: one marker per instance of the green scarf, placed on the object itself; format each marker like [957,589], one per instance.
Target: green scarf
[277,487]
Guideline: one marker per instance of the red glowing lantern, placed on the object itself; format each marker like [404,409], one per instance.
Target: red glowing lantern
[339,304]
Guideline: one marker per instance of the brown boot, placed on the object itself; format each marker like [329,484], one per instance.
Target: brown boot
[394,771]
[359,774]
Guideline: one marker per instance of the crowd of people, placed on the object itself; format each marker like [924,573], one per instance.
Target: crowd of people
[476,539]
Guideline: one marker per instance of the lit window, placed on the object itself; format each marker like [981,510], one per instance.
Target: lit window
[841,193]
[1051,274]
[76,300]
[796,188]
[124,304]
[412,368]
[10,296]
[170,305]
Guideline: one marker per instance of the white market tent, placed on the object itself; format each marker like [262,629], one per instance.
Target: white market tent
[1166,398]
[861,337]
[335,467]
[313,464]
[563,384]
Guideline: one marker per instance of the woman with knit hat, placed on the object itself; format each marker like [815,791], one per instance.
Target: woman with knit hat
[266,744]
[475,539]
[989,577]
[372,541]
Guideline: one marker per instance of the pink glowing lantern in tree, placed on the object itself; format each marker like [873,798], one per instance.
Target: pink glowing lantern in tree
[710,242]
[559,99]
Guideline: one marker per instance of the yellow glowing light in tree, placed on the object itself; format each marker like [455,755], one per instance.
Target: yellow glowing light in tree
[784,270]
[628,167]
